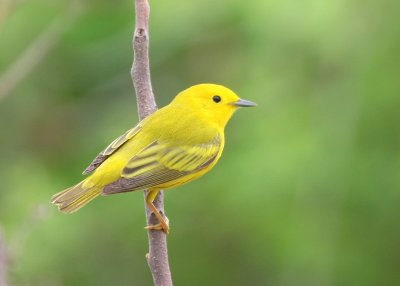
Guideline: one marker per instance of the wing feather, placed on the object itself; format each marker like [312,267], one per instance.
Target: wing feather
[117,143]
[159,163]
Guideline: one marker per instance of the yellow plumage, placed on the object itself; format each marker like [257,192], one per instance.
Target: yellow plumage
[173,146]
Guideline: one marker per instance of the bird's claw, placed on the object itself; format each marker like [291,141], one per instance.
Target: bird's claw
[163,225]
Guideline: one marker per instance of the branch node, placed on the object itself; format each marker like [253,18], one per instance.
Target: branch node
[140,32]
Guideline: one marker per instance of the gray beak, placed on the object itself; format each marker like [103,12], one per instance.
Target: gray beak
[244,103]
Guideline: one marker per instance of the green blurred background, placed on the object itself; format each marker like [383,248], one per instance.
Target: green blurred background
[307,192]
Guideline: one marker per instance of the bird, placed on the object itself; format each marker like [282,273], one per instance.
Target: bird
[171,147]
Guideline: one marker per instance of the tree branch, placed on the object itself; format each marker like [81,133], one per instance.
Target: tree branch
[3,261]
[157,257]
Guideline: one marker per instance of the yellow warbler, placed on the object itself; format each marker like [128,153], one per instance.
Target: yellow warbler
[173,146]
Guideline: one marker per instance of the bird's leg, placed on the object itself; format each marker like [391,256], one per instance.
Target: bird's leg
[164,223]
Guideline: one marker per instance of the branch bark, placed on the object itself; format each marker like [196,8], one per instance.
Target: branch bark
[157,258]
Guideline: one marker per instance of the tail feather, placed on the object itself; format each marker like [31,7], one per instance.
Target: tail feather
[72,199]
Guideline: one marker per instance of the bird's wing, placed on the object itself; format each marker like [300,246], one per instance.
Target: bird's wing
[121,140]
[158,164]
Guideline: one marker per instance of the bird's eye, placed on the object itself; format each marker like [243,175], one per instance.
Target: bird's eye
[216,98]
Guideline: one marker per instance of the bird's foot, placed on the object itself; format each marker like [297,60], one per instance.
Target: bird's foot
[163,225]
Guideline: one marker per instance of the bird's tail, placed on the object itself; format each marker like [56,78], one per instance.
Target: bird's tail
[72,199]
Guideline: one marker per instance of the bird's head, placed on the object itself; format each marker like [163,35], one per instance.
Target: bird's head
[213,102]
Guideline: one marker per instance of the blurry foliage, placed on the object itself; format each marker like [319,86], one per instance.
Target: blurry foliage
[307,192]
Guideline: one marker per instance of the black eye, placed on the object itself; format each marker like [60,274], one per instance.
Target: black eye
[216,98]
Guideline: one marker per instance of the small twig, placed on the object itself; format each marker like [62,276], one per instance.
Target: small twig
[157,257]
[3,261]
[37,51]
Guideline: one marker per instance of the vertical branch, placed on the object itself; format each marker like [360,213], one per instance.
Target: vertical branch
[141,68]
[158,251]
[3,261]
